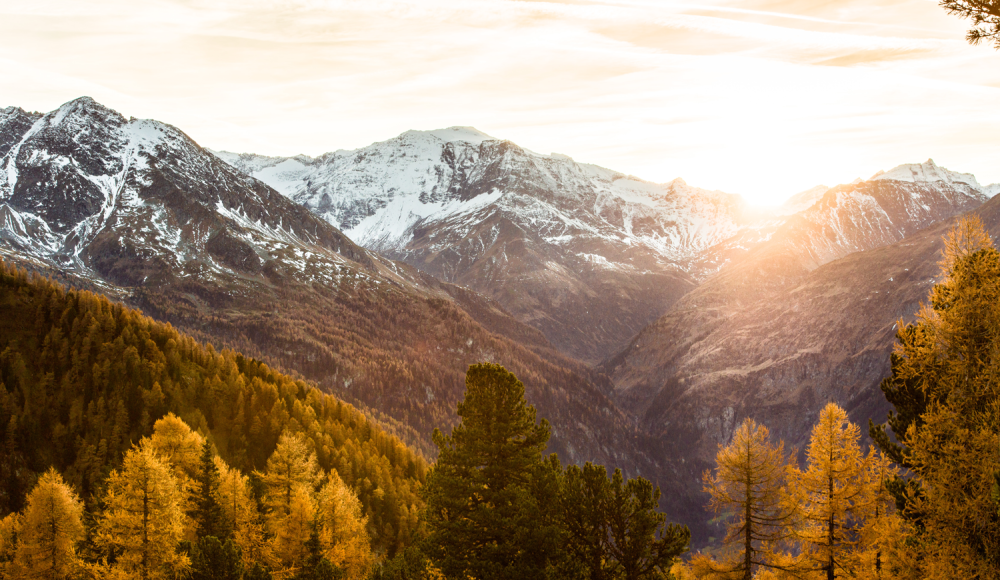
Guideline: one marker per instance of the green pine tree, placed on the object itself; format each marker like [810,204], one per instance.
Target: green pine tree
[317,567]
[212,559]
[481,514]
[639,538]
[207,514]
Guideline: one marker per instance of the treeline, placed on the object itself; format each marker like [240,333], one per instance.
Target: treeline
[83,379]
[175,509]
[924,502]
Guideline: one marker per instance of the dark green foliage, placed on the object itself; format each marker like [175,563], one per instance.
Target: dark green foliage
[408,564]
[215,560]
[316,567]
[583,503]
[207,512]
[495,509]
[82,379]
[639,538]
[613,527]
[258,572]
[481,514]
[909,399]
[906,396]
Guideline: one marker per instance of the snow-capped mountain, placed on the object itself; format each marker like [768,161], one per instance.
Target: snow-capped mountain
[84,189]
[583,253]
[801,318]
[136,209]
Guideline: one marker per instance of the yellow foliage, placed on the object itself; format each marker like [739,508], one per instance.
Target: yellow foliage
[291,465]
[342,532]
[50,528]
[10,526]
[291,529]
[143,521]
[832,493]
[749,483]
[180,448]
[240,512]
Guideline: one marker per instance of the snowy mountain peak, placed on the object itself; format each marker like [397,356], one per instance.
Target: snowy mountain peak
[454,134]
[84,110]
[926,172]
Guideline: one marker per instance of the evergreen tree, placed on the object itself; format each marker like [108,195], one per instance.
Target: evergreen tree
[613,527]
[951,445]
[50,528]
[257,572]
[481,514]
[749,483]
[143,522]
[316,566]
[985,17]
[640,540]
[212,559]
[583,506]
[208,516]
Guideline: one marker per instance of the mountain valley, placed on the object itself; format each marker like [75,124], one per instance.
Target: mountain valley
[646,320]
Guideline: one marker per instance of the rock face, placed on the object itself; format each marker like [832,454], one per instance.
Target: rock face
[585,254]
[805,317]
[136,209]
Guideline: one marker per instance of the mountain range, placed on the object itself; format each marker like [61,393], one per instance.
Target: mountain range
[646,320]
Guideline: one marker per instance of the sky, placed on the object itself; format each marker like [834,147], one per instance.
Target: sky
[764,98]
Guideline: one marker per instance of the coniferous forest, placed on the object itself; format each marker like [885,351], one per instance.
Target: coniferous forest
[130,450]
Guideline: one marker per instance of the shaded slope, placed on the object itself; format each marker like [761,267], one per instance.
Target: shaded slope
[83,379]
[138,210]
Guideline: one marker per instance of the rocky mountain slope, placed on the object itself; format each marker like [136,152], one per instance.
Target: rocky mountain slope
[136,209]
[752,315]
[585,254]
[806,317]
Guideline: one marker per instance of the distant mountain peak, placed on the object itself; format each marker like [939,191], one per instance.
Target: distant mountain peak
[926,172]
[84,106]
[454,135]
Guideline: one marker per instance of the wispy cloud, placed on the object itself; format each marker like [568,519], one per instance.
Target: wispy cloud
[759,97]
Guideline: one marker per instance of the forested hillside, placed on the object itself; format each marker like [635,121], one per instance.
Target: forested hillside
[83,379]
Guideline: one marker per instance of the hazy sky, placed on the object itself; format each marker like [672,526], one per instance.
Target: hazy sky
[759,97]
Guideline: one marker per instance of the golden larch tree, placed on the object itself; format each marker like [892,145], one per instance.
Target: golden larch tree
[291,529]
[342,529]
[180,448]
[143,521]
[290,479]
[748,483]
[833,492]
[946,391]
[50,528]
[239,508]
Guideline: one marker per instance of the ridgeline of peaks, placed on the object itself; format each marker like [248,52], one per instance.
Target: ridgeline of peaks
[698,309]
[586,255]
[135,209]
